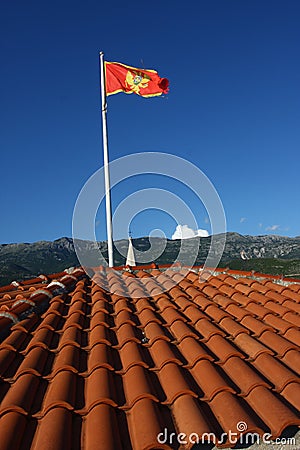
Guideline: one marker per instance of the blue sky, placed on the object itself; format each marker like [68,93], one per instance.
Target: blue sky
[233,109]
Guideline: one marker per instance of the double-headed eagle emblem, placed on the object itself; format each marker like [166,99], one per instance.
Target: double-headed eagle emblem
[136,80]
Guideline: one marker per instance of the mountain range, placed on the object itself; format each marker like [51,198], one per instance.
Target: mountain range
[267,253]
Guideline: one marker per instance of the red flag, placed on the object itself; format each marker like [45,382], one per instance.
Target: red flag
[144,82]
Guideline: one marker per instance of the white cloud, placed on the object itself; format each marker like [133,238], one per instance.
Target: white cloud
[272,228]
[242,219]
[260,225]
[185,232]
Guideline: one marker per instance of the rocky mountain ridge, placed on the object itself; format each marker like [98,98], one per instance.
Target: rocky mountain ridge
[18,261]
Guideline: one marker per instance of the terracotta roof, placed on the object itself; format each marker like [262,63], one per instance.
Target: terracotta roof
[113,361]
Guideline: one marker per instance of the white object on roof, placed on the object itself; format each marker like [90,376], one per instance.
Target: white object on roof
[130,260]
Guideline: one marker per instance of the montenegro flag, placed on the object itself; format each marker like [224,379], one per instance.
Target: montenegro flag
[144,82]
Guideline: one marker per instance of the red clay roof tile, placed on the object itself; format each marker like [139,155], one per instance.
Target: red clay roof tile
[242,374]
[180,330]
[237,312]
[291,393]
[274,371]
[112,365]
[193,351]
[55,428]
[278,323]
[100,356]
[276,308]
[256,326]
[154,331]
[250,346]
[12,427]
[146,316]
[288,293]
[207,329]
[131,355]
[221,301]
[202,302]
[15,340]
[244,289]
[100,388]
[292,359]
[41,338]
[293,306]
[67,359]
[275,414]
[257,310]
[173,382]
[293,318]
[61,391]
[170,315]
[293,335]
[216,313]
[209,379]
[230,410]
[7,355]
[277,343]
[162,353]
[232,327]
[137,385]
[34,361]
[100,429]
[189,416]
[222,348]
[21,394]
[294,287]
[144,425]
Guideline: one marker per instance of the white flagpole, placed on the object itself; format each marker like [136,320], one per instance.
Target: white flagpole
[106,165]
